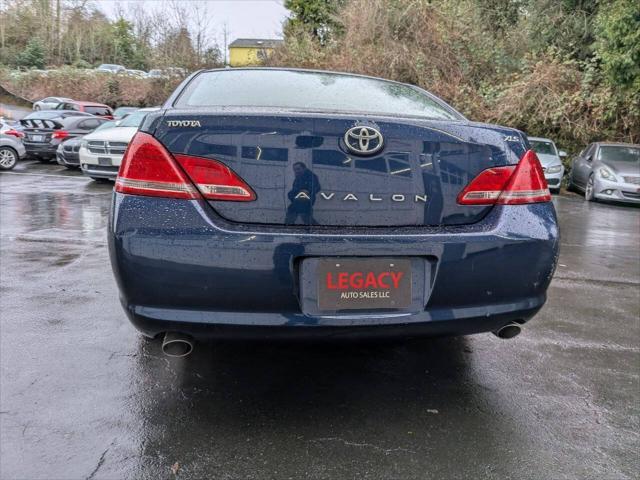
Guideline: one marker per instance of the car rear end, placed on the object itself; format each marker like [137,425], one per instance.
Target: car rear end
[98,109]
[279,222]
[42,136]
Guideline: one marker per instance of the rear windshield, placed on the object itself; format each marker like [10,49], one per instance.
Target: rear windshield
[98,110]
[542,147]
[42,115]
[619,154]
[310,91]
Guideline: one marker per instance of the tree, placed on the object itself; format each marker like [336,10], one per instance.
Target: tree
[319,17]
[32,56]
[123,42]
[618,42]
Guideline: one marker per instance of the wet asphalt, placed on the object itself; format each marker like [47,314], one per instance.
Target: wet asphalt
[82,395]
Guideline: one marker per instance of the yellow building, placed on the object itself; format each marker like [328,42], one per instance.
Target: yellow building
[250,51]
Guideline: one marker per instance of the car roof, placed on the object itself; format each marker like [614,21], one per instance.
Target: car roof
[617,144]
[89,104]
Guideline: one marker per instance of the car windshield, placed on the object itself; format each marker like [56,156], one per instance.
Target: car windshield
[124,110]
[317,91]
[619,154]
[133,120]
[105,126]
[543,147]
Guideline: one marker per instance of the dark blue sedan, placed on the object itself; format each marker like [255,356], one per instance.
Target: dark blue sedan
[279,203]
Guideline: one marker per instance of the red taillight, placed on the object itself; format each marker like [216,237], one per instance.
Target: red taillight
[215,180]
[509,185]
[14,133]
[149,169]
[60,134]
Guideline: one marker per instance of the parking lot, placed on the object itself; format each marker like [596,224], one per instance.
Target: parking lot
[84,396]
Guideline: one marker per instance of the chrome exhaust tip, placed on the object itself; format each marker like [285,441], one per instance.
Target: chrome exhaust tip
[510,330]
[176,344]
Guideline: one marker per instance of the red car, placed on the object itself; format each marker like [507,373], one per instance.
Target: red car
[98,109]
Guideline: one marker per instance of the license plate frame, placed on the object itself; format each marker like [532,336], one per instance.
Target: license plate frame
[364,284]
[105,161]
[37,138]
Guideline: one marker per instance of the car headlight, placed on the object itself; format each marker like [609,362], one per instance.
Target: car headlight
[607,174]
[554,169]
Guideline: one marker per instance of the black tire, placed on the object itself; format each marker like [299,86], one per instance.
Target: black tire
[43,159]
[36,107]
[589,194]
[8,158]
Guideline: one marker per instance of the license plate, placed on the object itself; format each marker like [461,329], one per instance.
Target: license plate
[36,138]
[364,283]
[104,161]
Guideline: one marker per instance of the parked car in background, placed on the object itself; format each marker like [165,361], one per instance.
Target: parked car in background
[371,208]
[156,73]
[121,112]
[111,68]
[11,147]
[98,109]
[67,153]
[169,72]
[50,103]
[11,127]
[551,160]
[607,171]
[101,151]
[135,73]
[44,135]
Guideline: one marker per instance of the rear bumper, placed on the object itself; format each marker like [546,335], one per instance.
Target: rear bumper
[181,267]
[40,149]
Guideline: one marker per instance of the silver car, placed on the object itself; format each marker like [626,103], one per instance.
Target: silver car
[11,147]
[607,171]
[550,158]
[49,103]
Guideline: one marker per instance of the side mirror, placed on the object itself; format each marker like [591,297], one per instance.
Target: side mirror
[117,122]
[589,158]
[562,153]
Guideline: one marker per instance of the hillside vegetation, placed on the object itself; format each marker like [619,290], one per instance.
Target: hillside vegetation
[565,69]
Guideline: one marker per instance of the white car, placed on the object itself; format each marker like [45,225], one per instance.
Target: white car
[111,68]
[101,151]
[550,158]
[49,103]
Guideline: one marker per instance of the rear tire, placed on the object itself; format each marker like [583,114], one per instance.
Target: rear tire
[8,158]
[589,190]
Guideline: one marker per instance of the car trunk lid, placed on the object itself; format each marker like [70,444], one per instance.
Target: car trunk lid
[303,172]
